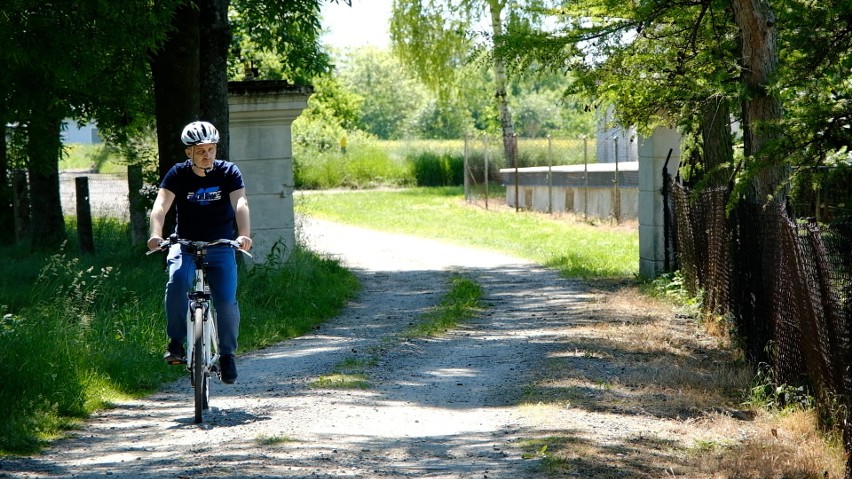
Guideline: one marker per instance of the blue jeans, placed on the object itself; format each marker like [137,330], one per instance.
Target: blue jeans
[222,277]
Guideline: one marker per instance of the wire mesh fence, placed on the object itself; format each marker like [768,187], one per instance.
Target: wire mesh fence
[485,155]
[108,194]
[784,284]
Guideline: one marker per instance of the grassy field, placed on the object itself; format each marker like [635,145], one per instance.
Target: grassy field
[578,249]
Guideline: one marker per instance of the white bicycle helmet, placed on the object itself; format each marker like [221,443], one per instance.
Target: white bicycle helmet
[199,133]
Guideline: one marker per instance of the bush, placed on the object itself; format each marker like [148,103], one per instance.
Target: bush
[432,169]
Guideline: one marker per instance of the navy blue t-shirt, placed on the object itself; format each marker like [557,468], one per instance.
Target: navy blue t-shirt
[203,203]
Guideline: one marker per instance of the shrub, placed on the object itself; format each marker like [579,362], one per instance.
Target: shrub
[432,169]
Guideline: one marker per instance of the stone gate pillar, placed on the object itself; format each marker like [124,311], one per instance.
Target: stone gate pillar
[261,115]
[653,152]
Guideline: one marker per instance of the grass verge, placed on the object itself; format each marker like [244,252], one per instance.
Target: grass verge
[460,302]
[576,248]
[90,329]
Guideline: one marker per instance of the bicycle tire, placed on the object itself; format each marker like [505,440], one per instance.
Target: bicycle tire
[199,376]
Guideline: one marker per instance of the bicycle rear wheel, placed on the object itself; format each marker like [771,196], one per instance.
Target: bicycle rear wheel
[199,375]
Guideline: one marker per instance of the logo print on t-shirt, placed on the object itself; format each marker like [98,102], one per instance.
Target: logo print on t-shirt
[205,195]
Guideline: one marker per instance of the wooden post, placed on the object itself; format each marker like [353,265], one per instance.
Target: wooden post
[138,220]
[21,204]
[84,216]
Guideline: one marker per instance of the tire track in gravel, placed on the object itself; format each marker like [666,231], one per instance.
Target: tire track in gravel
[442,407]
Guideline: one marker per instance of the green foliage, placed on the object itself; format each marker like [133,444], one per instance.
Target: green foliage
[766,393]
[91,329]
[301,292]
[430,169]
[276,40]
[390,96]
[364,164]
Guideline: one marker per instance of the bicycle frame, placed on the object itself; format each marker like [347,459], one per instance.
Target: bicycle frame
[202,351]
[199,298]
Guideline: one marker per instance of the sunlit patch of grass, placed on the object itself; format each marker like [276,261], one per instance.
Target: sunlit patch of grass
[461,302]
[575,248]
[265,440]
[341,381]
[787,445]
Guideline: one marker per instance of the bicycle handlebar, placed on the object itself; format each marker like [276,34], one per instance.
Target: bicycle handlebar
[198,245]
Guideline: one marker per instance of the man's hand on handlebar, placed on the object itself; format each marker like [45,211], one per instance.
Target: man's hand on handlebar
[155,243]
[244,242]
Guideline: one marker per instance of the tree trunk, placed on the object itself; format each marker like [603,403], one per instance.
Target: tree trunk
[47,226]
[509,151]
[761,109]
[717,141]
[176,92]
[7,217]
[216,34]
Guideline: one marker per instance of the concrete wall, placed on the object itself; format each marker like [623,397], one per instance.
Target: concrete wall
[261,116]
[590,190]
[653,153]
[86,134]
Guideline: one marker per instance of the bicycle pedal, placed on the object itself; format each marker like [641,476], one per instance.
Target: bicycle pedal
[173,361]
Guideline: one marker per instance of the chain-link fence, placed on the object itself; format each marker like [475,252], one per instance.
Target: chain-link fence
[484,156]
[108,194]
[785,285]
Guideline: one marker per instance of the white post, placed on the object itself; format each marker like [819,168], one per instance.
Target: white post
[653,152]
[261,114]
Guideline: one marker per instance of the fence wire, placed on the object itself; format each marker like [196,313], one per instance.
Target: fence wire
[484,157]
[786,286]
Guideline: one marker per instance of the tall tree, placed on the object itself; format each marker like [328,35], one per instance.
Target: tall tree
[77,59]
[191,71]
[175,72]
[390,97]
[761,106]
[433,38]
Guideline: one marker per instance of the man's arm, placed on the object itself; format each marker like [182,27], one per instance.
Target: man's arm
[162,203]
[241,210]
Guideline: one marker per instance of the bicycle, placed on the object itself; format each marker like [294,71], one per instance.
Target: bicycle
[202,339]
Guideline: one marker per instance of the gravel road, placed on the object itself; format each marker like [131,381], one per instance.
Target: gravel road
[446,407]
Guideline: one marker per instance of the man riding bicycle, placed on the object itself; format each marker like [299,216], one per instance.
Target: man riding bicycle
[210,200]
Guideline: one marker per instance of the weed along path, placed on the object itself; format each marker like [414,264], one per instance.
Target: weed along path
[543,379]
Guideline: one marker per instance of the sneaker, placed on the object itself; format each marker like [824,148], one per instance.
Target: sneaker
[228,369]
[175,353]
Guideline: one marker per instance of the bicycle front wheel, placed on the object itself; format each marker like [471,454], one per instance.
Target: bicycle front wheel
[199,373]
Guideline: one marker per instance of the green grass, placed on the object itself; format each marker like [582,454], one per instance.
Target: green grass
[341,381]
[97,158]
[577,249]
[78,332]
[461,302]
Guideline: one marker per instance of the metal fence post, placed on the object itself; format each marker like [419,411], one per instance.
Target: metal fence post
[549,174]
[465,169]
[486,172]
[586,177]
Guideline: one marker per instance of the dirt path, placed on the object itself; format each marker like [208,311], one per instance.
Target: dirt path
[466,405]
